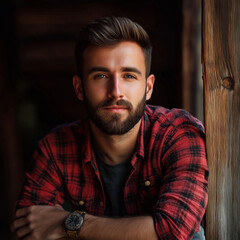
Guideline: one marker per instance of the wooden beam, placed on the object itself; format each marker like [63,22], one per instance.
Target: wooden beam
[191,16]
[221,72]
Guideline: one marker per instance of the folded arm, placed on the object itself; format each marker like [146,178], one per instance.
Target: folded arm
[46,223]
[129,228]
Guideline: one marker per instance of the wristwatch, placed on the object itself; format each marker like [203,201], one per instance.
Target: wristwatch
[73,223]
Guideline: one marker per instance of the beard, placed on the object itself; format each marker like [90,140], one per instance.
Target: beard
[111,123]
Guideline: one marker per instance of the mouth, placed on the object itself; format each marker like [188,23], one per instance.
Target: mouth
[115,108]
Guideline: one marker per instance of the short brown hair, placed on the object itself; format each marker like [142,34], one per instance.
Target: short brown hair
[110,31]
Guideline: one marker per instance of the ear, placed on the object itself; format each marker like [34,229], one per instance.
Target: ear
[150,84]
[77,85]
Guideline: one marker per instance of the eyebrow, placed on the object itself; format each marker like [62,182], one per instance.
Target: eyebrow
[124,69]
[98,69]
[131,69]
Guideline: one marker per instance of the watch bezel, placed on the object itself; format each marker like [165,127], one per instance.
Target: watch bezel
[70,223]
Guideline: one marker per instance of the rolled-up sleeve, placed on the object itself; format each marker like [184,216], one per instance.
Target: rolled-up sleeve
[183,194]
[42,185]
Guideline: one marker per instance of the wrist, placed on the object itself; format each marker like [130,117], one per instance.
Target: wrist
[60,231]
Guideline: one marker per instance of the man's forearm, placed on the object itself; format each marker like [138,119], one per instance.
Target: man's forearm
[103,228]
[46,222]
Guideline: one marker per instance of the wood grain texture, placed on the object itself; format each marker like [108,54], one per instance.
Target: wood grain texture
[221,72]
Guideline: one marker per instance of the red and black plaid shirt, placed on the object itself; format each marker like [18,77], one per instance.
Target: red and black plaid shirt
[168,179]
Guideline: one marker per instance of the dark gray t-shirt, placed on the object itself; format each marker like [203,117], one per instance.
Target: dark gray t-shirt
[114,178]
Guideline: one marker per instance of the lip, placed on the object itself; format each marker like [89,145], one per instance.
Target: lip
[115,108]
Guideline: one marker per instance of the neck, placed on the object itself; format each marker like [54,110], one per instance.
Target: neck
[115,149]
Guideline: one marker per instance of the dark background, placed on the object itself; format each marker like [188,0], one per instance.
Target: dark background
[37,63]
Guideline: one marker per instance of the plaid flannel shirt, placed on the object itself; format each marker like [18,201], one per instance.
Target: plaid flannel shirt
[168,179]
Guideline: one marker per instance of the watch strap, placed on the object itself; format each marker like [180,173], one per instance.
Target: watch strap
[72,234]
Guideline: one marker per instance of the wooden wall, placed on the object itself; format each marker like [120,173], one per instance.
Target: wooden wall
[10,153]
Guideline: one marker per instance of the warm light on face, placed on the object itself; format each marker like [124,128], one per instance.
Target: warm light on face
[114,86]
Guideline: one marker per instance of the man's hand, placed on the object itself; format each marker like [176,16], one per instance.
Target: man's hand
[39,223]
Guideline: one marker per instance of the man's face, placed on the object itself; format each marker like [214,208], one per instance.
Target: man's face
[114,86]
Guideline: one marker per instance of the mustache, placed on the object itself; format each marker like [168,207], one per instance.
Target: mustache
[111,102]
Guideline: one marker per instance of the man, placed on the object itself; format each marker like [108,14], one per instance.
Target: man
[129,170]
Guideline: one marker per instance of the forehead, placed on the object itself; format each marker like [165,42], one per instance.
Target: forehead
[123,54]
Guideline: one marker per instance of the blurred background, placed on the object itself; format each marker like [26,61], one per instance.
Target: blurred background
[37,40]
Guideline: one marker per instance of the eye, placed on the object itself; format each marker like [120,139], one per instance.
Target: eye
[129,76]
[100,76]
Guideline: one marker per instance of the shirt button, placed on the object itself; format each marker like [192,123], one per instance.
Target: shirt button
[147,183]
[101,204]
[81,202]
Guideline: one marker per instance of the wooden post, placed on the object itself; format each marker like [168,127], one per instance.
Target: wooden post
[221,72]
[190,22]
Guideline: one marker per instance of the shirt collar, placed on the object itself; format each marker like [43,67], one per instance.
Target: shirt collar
[87,149]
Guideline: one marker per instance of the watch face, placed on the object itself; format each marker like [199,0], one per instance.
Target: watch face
[74,221]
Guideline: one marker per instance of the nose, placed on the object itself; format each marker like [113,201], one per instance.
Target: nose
[115,88]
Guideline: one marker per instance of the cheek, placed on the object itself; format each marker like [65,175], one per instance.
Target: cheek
[136,91]
[94,91]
